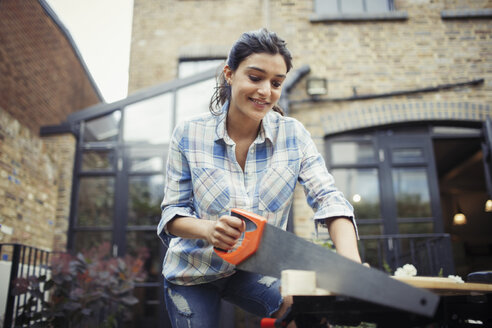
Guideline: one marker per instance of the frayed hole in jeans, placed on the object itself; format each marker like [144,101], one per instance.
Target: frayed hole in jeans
[180,302]
[267,281]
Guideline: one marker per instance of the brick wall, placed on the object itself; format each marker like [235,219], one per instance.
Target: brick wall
[370,57]
[41,78]
[165,30]
[64,146]
[385,57]
[35,185]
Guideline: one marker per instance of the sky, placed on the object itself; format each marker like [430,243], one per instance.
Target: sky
[101,30]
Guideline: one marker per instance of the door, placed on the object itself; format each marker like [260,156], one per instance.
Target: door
[409,184]
[389,176]
[409,190]
[487,155]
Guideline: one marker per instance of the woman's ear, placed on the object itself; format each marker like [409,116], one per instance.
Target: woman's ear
[228,74]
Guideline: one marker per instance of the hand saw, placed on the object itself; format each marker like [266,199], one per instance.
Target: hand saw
[268,250]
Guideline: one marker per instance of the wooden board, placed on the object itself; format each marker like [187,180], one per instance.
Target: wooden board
[298,282]
[446,286]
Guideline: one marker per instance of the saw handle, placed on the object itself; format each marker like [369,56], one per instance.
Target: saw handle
[252,237]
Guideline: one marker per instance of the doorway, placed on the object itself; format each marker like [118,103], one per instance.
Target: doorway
[462,187]
[389,176]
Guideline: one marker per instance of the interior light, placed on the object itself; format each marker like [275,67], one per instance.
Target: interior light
[356,198]
[316,86]
[459,219]
[488,205]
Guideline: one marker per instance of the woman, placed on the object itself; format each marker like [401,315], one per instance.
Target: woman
[247,155]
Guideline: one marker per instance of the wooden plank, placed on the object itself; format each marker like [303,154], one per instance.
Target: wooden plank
[300,282]
[446,286]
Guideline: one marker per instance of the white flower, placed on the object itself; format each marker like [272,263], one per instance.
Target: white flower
[408,270]
[456,278]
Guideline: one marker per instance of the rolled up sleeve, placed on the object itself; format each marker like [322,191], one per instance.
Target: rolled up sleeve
[178,190]
[319,186]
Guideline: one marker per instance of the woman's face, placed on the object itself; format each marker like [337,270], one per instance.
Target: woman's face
[256,85]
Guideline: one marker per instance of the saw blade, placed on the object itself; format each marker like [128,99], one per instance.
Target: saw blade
[280,250]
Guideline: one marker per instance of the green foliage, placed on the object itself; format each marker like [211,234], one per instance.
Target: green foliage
[366,210]
[89,289]
[328,243]
[387,267]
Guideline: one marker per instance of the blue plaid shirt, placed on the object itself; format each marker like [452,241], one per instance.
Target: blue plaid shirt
[204,180]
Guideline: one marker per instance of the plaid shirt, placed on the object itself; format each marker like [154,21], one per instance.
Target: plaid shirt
[204,180]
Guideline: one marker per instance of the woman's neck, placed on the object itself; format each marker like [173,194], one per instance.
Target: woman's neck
[241,128]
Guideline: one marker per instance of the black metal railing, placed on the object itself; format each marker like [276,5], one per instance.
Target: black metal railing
[430,253]
[25,261]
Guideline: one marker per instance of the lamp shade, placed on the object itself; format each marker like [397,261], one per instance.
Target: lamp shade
[459,219]
[488,205]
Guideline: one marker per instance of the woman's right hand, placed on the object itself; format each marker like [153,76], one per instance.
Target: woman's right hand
[225,232]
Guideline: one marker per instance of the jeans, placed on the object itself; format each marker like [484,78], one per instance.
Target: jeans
[199,305]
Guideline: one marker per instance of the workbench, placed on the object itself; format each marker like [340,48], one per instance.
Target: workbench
[461,305]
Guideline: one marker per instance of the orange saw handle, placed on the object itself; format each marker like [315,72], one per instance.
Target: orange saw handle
[251,240]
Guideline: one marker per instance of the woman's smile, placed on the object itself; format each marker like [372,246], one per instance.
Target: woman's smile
[260,104]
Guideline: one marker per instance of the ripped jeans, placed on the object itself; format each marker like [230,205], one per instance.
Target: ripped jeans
[199,305]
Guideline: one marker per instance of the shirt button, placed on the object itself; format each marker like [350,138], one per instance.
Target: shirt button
[252,150]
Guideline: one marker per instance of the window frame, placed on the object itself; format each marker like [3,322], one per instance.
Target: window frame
[382,142]
[356,137]
[182,60]
[391,14]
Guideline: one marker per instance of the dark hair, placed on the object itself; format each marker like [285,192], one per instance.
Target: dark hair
[254,42]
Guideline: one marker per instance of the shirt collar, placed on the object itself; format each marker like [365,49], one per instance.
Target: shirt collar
[266,127]
[221,130]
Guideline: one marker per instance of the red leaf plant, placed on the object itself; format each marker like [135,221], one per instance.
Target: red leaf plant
[90,289]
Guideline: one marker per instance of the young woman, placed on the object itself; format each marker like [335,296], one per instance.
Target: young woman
[247,155]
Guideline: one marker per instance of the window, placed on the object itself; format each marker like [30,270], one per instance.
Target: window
[101,159]
[194,99]
[361,187]
[352,152]
[149,120]
[188,67]
[356,10]
[95,201]
[120,172]
[336,7]
[353,162]
[103,129]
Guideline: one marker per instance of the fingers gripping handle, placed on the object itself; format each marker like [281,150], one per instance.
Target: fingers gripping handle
[251,239]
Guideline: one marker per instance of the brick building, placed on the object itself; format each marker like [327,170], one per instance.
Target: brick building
[410,72]
[401,122]
[42,80]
